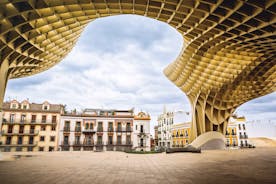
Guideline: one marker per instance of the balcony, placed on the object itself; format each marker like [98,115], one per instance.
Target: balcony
[243,136]
[65,144]
[127,143]
[77,143]
[99,143]
[100,129]
[78,129]
[21,144]
[88,144]
[119,129]
[18,132]
[31,132]
[4,121]
[66,129]
[128,129]
[110,143]
[88,131]
[110,129]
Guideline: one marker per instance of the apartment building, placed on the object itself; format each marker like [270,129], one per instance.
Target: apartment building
[166,120]
[102,129]
[180,134]
[236,134]
[30,126]
[141,133]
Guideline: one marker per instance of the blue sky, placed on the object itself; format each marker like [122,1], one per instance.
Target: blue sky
[118,62]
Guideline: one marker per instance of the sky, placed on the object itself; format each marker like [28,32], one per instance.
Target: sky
[118,63]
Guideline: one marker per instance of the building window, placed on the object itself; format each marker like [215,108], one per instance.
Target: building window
[67,126]
[53,128]
[52,138]
[136,127]
[86,126]
[51,148]
[128,139]
[23,118]
[25,107]
[33,119]
[77,140]
[128,127]
[42,138]
[110,139]
[243,125]
[45,107]
[141,142]
[110,126]
[66,140]
[18,148]
[119,140]
[20,140]
[44,119]
[30,148]
[13,106]
[91,126]
[239,126]
[12,117]
[43,128]
[142,129]
[8,140]
[99,140]
[54,119]
[41,149]
[119,127]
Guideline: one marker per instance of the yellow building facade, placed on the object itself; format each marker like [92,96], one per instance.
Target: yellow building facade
[30,127]
[180,134]
[236,133]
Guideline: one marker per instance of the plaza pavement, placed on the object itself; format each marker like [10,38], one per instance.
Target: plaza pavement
[214,167]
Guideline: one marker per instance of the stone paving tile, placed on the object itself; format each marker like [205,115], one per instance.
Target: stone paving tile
[234,166]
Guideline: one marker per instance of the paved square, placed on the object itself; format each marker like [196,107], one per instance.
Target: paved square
[226,166]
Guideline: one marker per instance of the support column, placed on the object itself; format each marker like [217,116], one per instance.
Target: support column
[208,115]
[4,67]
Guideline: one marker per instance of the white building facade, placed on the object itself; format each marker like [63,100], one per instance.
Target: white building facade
[141,132]
[165,123]
[236,134]
[98,130]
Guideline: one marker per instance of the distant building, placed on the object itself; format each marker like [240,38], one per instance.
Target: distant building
[180,134]
[156,136]
[152,143]
[103,129]
[29,126]
[165,123]
[141,133]
[236,133]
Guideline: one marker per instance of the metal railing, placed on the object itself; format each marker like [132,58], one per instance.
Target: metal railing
[18,132]
[88,131]
[100,129]
[66,129]
[110,129]
[77,129]
[23,143]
